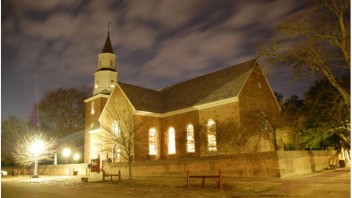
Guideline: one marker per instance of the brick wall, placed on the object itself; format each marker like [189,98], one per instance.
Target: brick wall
[265,164]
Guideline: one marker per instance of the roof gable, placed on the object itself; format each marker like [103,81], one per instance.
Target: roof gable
[218,85]
[142,98]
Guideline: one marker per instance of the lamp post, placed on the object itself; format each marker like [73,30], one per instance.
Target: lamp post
[66,153]
[36,148]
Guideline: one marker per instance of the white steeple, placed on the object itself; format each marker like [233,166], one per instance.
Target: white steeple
[106,76]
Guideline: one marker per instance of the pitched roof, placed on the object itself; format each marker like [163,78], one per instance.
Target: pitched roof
[218,85]
[142,98]
[107,46]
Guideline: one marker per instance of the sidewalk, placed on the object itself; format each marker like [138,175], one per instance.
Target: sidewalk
[328,183]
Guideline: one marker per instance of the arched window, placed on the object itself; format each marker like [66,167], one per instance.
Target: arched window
[115,129]
[153,142]
[211,132]
[263,121]
[190,139]
[171,141]
[116,153]
[92,110]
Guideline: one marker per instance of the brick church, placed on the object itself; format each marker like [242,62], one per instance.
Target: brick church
[229,111]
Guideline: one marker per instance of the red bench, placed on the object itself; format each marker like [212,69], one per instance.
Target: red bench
[217,178]
[111,175]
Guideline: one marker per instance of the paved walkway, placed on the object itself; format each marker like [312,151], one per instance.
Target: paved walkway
[327,183]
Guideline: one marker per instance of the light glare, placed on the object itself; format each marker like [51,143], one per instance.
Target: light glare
[37,147]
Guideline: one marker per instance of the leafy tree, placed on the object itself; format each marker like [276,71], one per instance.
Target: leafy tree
[61,111]
[279,97]
[327,116]
[316,40]
[292,117]
[292,110]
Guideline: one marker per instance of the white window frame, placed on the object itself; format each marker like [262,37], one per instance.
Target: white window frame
[190,144]
[211,135]
[116,153]
[153,141]
[171,137]
[115,129]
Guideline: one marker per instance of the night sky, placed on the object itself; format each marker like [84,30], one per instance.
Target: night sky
[46,44]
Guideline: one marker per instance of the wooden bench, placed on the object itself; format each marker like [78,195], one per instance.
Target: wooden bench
[217,178]
[111,175]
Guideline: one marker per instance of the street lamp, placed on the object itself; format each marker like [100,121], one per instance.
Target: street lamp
[66,153]
[76,157]
[36,148]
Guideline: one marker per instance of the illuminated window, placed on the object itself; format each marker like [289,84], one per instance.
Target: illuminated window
[115,129]
[190,139]
[211,131]
[152,142]
[96,84]
[92,110]
[112,83]
[263,121]
[171,141]
[116,153]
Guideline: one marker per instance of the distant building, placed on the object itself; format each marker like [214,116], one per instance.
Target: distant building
[229,111]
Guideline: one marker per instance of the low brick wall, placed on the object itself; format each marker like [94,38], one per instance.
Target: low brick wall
[63,169]
[301,162]
[242,165]
[264,164]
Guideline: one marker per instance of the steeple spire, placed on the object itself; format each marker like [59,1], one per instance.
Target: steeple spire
[107,46]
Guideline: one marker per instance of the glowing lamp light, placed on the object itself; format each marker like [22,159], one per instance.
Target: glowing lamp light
[76,157]
[66,152]
[37,147]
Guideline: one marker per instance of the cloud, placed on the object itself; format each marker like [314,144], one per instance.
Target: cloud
[263,13]
[135,36]
[192,53]
[168,14]
[22,6]
[49,44]
[56,26]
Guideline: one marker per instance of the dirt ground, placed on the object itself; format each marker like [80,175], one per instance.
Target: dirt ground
[327,183]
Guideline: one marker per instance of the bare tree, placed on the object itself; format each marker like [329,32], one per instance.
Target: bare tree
[318,39]
[25,152]
[119,132]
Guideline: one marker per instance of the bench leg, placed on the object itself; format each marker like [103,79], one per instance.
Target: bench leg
[188,184]
[220,181]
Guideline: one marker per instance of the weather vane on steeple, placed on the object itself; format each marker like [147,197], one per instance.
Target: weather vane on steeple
[108,27]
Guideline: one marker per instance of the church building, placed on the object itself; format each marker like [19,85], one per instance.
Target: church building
[229,111]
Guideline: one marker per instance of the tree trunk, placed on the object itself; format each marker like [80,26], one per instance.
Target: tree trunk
[130,168]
